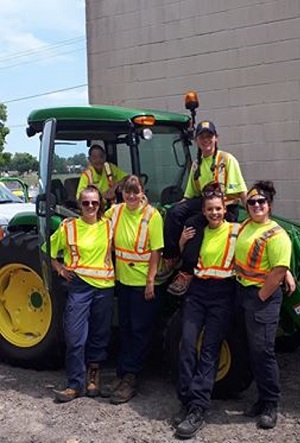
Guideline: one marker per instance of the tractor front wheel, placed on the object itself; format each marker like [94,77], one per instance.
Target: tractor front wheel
[234,374]
[30,317]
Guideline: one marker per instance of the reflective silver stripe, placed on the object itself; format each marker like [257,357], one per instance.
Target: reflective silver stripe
[226,270]
[133,256]
[213,273]
[141,244]
[71,229]
[232,240]
[221,158]
[89,174]
[250,274]
[96,273]
[115,215]
[108,172]
[259,244]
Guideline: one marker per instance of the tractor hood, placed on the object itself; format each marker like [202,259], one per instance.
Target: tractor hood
[9,210]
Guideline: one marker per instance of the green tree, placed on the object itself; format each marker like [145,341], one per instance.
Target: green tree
[5,161]
[23,162]
[4,131]
[78,159]
[60,164]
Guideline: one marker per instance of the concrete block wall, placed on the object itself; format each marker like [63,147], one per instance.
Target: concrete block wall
[241,56]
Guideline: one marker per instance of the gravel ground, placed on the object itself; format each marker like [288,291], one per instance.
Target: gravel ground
[28,413]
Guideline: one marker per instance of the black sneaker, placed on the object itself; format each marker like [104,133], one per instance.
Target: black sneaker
[268,417]
[192,423]
[254,410]
[180,416]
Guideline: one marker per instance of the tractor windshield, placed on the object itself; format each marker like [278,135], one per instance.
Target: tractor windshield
[163,162]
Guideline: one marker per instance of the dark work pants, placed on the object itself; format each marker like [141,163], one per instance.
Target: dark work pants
[208,307]
[175,220]
[137,322]
[261,322]
[87,325]
[191,250]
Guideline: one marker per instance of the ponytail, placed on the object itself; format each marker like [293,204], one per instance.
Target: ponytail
[213,163]
[197,172]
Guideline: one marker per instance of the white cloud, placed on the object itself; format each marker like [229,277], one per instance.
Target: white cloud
[30,24]
[36,57]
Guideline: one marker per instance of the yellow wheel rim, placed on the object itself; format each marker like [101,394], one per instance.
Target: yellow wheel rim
[25,306]
[224,361]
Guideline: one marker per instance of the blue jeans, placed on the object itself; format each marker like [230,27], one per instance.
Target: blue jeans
[208,307]
[87,326]
[137,321]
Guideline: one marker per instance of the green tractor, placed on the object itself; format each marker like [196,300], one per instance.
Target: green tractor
[155,145]
[17,186]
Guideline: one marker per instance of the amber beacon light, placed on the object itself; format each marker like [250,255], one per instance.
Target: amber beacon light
[191,101]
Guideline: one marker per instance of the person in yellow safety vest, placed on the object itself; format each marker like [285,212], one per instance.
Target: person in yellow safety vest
[208,307]
[88,269]
[138,241]
[106,176]
[211,164]
[262,258]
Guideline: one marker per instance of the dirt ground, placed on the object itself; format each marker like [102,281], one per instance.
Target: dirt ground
[28,413]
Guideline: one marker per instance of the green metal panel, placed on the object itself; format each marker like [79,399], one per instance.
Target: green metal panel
[113,114]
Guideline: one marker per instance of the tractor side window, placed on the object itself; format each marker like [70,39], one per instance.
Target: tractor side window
[70,159]
[164,159]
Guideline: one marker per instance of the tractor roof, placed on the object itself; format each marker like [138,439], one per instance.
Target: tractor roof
[88,116]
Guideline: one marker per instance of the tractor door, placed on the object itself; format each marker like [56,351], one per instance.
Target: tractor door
[45,203]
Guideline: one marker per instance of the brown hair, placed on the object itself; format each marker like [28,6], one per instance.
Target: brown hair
[265,188]
[93,188]
[133,184]
[212,190]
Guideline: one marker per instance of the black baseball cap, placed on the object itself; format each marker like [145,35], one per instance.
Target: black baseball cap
[205,126]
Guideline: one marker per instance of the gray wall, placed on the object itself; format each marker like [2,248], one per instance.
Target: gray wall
[241,56]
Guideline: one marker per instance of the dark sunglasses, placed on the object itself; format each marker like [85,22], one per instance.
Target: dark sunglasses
[260,201]
[132,191]
[214,193]
[87,203]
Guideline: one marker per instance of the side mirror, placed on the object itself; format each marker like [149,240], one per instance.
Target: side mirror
[40,204]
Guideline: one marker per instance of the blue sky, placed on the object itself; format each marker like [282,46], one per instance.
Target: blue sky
[42,49]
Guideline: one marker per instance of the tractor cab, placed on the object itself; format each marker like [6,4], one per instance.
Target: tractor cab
[151,144]
[155,145]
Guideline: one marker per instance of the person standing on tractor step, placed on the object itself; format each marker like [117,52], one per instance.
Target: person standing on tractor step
[138,241]
[262,258]
[106,176]
[208,307]
[211,164]
[86,246]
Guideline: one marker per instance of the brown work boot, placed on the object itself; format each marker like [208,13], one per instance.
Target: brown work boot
[125,391]
[93,380]
[180,283]
[109,389]
[66,395]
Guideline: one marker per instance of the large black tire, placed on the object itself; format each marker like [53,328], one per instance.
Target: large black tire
[234,374]
[31,319]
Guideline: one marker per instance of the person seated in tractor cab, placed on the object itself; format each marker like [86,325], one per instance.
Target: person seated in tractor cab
[106,176]
[214,165]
